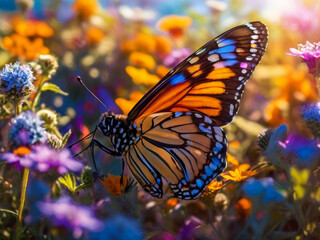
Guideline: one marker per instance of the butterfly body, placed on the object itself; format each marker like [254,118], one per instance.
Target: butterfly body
[173,133]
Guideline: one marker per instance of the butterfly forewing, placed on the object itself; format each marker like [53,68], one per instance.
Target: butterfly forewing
[211,80]
[185,148]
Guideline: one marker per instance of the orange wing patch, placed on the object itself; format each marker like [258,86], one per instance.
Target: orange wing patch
[216,87]
[221,73]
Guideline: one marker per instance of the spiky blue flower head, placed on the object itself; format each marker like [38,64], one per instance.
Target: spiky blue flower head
[26,129]
[311,115]
[16,81]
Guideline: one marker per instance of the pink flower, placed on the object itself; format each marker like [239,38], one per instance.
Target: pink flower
[310,53]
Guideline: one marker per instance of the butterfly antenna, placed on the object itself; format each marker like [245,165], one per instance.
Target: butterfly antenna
[81,82]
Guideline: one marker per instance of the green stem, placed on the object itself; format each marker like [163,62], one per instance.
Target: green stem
[22,200]
[38,93]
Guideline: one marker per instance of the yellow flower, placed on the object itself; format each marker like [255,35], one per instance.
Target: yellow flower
[175,25]
[32,28]
[300,180]
[112,183]
[241,173]
[232,160]
[141,76]
[94,35]
[126,105]
[84,8]
[24,47]
[21,151]
[141,59]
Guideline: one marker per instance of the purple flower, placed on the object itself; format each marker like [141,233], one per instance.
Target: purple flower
[264,189]
[176,56]
[64,213]
[300,149]
[45,158]
[190,225]
[26,129]
[310,53]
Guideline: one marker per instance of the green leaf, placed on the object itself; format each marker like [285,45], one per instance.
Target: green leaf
[52,87]
[69,181]
[65,138]
[9,211]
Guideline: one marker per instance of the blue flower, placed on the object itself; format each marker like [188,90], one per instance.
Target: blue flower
[119,228]
[311,115]
[16,81]
[26,129]
[66,214]
[263,189]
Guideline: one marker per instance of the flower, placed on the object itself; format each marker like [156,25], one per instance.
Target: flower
[23,47]
[126,105]
[263,189]
[113,184]
[48,65]
[176,56]
[162,71]
[33,28]
[243,207]
[26,129]
[141,76]
[45,159]
[240,173]
[119,227]
[94,35]
[310,53]
[143,60]
[175,25]
[311,116]
[18,157]
[300,149]
[274,112]
[163,45]
[65,213]
[300,180]
[85,9]
[142,42]
[16,81]
[191,224]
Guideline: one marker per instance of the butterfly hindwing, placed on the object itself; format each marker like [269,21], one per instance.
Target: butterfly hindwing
[211,80]
[185,148]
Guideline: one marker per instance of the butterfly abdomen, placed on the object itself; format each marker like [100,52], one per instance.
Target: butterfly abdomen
[120,132]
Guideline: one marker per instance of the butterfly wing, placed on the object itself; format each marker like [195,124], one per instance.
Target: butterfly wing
[186,148]
[211,80]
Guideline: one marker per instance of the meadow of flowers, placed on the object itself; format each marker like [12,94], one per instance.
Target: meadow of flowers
[271,186]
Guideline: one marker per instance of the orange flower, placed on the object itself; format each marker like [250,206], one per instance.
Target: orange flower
[172,202]
[24,47]
[141,76]
[162,71]
[84,8]
[243,207]
[141,59]
[21,151]
[94,35]
[274,112]
[32,28]
[241,173]
[163,45]
[112,183]
[142,42]
[175,25]
[126,105]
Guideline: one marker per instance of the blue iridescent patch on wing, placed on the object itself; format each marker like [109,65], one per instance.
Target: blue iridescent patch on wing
[230,62]
[226,49]
[176,79]
[228,56]
[225,42]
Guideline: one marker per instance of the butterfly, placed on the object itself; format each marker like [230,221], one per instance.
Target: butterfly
[174,132]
